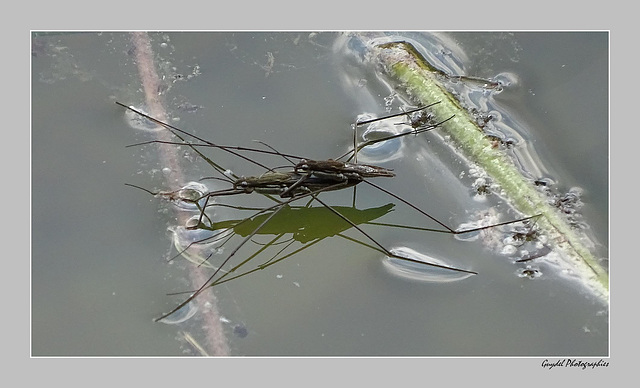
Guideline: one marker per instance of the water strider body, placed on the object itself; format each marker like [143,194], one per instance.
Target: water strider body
[342,170]
[311,175]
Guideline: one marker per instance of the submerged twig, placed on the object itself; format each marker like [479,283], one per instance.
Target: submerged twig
[216,340]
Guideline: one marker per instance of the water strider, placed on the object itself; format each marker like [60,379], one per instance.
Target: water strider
[305,179]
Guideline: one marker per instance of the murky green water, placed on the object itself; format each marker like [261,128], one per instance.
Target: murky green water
[99,247]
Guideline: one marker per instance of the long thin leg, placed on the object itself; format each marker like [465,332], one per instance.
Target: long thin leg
[205,284]
[215,236]
[396,115]
[448,229]
[358,147]
[386,251]
[277,208]
[263,266]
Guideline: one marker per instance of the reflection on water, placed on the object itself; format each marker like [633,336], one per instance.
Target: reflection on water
[306,225]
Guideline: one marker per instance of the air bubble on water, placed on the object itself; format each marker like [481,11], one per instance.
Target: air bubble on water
[183,314]
[509,250]
[416,271]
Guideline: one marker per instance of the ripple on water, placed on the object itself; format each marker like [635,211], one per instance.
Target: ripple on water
[191,193]
[385,150]
[183,314]
[415,271]
[199,246]
[136,121]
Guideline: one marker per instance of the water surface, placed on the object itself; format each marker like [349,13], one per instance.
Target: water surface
[99,247]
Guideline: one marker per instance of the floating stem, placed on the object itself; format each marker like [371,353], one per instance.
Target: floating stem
[413,73]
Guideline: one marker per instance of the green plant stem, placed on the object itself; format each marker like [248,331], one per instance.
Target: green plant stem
[412,72]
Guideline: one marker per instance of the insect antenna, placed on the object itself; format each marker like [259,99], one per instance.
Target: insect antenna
[277,152]
[211,145]
[177,131]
